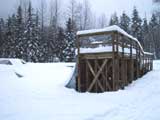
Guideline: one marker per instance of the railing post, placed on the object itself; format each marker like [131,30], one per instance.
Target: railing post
[115,62]
[131,61]
[123,66]
[137,60]
[78,65]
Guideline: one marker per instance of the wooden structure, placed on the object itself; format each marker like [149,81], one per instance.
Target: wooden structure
[109,59]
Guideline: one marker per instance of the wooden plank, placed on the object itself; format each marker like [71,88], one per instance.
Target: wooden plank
[126,75]
[79,74]
[122,72]
[113,63]
[97,55]
[138,62]
[97,75]
[87,75]
[117,73]
[132,62]
[95,70]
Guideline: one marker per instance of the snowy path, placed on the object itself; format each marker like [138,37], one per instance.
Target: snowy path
[41,95]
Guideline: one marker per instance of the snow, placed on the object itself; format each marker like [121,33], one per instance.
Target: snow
[101,49]
[113,28]
[41,95]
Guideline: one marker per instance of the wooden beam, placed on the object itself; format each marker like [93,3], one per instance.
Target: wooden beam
[87,76]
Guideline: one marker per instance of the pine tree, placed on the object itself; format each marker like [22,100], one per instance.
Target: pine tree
[31,37]
[52,35]
[114,20]
[19,34]
[154,29]
[9,47]
[2,37]
[70,36]
[145,32]
[125,22]
[61,44]
[153,22]
[136,28]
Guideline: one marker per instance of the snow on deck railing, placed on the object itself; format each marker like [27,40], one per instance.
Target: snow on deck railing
[113,28]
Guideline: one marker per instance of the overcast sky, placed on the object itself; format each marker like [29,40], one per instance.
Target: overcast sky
[98,6]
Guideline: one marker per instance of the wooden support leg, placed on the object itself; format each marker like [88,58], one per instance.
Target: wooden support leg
[115,76]
[79,81]
[132,70]
[138,68]
[87,75]
[123,73]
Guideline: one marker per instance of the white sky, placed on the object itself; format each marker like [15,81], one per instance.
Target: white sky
[98,6]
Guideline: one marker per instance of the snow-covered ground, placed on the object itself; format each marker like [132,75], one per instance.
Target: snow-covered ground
[41,95]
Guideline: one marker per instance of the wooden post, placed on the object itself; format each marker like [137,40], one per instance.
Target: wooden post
[114,79]
[87,75]
[123,69]
[95,70]
[131,62]
[113,61]
[137,61]
[78,65]
[116,61]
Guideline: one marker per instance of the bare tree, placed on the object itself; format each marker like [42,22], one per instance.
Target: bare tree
[79,18]
[42,13]
[102,21]
[55,12]
[72,10]
[25,5]
[87,15]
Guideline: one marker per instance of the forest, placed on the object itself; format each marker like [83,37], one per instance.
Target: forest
[28,34]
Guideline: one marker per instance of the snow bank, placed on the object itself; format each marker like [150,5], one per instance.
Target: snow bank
[41,95]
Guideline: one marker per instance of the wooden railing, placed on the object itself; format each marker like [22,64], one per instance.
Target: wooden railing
[120,61]
[136,51]
[123,45]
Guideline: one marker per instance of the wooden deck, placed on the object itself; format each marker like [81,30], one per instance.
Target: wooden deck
[110,70]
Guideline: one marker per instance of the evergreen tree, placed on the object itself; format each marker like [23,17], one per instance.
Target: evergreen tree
[70,36]
[154,29]
[136,28]
[153,22]
[61,44]
[2,36]
[52,35]
[125,22]
[19,34]
[114,20]
[145,32]
[9,47]
[31,37]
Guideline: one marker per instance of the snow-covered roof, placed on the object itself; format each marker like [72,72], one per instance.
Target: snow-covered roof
[113,28]
[13,61]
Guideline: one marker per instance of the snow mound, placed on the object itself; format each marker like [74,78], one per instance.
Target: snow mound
[41,95]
